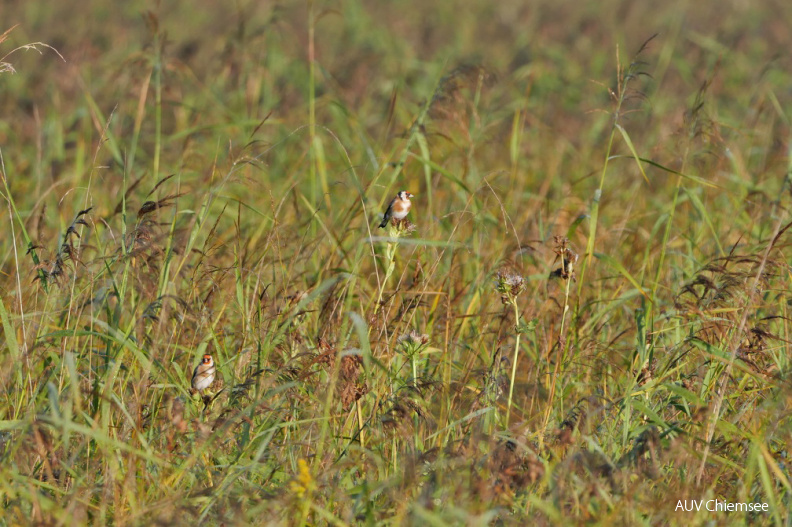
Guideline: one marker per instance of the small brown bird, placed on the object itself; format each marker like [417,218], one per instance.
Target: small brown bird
[204,373]
[398,208]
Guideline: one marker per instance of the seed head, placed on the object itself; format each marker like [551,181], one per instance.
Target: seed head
[412,342]
[568,258]
[509,285]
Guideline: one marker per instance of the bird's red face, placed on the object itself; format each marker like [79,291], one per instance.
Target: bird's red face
[207,359]
[405,195]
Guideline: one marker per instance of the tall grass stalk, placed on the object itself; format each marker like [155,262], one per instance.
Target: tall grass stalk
[624,76]
[312,145]
[158,67]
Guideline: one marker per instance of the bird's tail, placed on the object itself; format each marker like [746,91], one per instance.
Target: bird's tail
[384,222]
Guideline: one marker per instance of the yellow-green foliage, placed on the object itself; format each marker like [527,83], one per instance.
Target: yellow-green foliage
[585,320]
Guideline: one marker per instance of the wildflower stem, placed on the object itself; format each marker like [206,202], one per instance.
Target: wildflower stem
[390,257]
[415,386]
[514,361]
[562,347]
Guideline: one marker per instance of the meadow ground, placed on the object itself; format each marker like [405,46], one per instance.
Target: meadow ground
[585,321]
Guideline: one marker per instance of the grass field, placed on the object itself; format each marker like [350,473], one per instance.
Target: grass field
[585,320]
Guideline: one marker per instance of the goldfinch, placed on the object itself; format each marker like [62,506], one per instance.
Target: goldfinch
[204,373]
[398,208]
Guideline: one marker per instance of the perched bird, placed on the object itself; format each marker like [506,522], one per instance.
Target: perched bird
[204,373]
[397,208]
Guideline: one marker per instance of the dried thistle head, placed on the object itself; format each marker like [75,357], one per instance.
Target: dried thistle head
[399,228]
[350,392]
[408,227]
[509,285]
[563,248]
[350,387]
[412,342]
